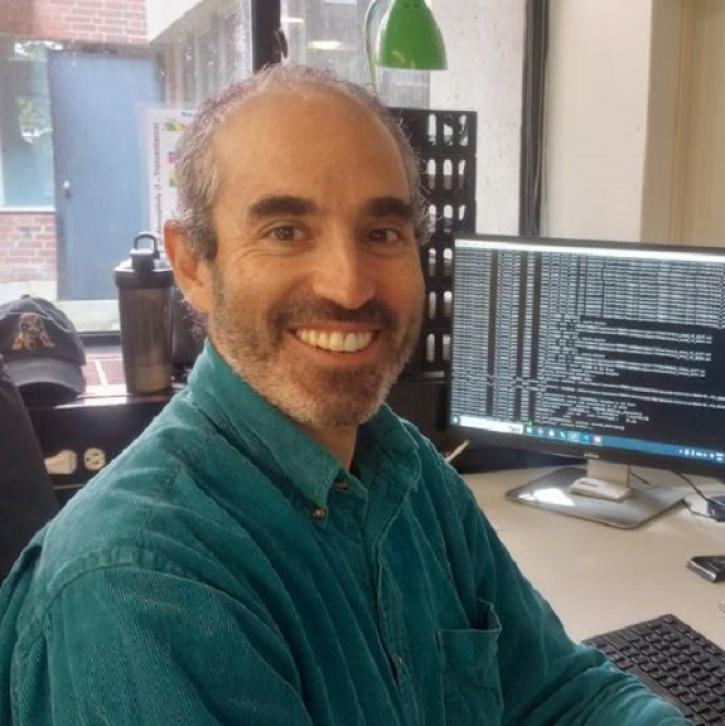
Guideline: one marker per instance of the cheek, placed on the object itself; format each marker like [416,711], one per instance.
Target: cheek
[254,292]
[407,287]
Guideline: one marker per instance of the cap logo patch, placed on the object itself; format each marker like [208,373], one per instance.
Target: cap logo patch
[31,333]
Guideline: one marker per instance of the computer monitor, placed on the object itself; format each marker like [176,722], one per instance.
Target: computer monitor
[613,352]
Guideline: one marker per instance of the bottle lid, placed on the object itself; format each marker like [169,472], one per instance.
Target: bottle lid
[145,267]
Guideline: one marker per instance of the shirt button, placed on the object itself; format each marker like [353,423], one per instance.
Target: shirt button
[341,485]
[319,513]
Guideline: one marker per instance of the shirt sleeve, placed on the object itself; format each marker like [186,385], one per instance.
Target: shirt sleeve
[545,677]
[123,645]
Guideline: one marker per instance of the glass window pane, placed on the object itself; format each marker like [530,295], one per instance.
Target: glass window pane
[84,88]
[26,152]
[329,34]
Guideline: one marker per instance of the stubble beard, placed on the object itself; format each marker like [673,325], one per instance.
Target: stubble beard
[308,393]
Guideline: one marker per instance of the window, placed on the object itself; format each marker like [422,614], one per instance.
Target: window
[26,152]
[82,85]
[329,35]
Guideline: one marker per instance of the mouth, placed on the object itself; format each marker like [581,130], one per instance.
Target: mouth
[335,341]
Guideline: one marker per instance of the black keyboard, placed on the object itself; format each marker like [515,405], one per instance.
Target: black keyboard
[674,661]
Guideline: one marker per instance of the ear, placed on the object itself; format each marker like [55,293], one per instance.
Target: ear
[191,270]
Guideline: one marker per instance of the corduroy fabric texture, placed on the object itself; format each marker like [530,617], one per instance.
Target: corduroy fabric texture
[225,570]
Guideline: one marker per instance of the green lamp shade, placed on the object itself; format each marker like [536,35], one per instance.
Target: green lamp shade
[410,38]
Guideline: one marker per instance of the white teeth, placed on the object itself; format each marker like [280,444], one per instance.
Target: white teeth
[351,343]
[336,340]
[363,340]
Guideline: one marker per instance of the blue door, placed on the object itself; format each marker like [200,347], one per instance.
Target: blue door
[97,102]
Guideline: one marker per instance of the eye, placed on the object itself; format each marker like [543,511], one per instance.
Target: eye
[286,233]
[385,235]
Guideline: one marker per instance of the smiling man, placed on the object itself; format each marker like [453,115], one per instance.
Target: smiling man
[313,287]
[278,548]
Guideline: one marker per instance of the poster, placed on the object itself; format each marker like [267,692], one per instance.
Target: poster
[164,127]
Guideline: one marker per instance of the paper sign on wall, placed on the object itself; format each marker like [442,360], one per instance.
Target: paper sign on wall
[164,127]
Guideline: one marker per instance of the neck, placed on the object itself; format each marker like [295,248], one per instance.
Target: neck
[339,441]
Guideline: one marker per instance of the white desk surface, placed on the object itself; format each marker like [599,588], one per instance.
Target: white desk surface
[599,578]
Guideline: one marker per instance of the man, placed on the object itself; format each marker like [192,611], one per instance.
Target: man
[279,548]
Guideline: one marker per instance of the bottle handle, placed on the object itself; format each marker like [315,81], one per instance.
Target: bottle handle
[154,241]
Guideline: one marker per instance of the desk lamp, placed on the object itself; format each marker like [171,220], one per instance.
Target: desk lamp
[409,38]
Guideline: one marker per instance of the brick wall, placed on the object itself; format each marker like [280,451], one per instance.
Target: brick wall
[90,21]
[27,246]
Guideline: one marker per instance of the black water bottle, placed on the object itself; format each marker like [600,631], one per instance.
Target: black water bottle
[144,284]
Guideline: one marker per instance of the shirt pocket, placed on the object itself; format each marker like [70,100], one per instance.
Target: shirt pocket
[470,678]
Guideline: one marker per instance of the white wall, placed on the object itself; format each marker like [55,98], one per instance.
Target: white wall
[596,118]
[485,45]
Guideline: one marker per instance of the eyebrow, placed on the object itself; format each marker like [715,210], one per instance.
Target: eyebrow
[285,204]
[282,204]
[389,207]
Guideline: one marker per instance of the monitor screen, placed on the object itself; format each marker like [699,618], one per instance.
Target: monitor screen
[597,349]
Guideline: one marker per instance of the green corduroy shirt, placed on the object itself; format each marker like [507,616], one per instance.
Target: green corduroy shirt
[226,570]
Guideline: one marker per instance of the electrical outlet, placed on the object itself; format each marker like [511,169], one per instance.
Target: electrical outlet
[94,459]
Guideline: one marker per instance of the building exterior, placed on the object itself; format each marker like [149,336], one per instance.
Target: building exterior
[192,48]
[28,31]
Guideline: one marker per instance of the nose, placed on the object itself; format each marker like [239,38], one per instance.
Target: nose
[344,275]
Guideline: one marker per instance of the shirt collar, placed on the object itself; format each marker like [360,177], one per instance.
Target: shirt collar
[271,439]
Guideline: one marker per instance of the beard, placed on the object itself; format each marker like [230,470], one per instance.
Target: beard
[253,343]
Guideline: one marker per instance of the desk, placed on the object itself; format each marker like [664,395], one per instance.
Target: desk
[599,578]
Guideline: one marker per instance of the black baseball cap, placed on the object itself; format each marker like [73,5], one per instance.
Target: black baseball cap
[42,350]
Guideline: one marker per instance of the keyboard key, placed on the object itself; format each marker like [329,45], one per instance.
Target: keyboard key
[618,641]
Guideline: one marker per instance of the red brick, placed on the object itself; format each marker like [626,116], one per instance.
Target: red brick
[82,20]
[27,250]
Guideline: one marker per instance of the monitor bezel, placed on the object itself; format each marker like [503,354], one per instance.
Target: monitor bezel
[484,437]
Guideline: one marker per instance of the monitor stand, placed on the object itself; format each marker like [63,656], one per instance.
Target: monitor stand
[650,492]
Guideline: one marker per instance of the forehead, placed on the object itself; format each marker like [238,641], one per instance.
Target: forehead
[307,137]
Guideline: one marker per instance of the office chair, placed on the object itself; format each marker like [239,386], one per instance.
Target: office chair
[27,500]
